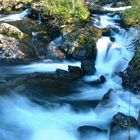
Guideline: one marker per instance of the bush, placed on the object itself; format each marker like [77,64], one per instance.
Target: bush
[132,16]
[66,11]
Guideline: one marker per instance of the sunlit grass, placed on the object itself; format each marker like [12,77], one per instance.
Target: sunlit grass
[66,11]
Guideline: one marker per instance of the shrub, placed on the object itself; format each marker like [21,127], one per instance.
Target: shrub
[66,11]
[132,16]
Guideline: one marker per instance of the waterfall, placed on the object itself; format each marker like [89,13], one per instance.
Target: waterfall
[23,119]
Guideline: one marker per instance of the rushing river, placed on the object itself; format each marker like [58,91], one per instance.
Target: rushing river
[23,119]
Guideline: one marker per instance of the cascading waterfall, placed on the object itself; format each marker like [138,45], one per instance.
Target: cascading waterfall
[22,119]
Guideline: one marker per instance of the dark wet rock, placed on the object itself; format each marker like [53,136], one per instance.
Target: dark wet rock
[82,105]
[41,86]
[75,70]
[89,131]
[88,67]
[97,82]
[138,118]
[115,29]
[54,51]
[61,72]
[10,30]
[73,73]
[112,39]
[10,48]
[122,122]
[131,78]
[106,32]
[106,99]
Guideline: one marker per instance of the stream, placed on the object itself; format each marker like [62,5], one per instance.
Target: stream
[23,119]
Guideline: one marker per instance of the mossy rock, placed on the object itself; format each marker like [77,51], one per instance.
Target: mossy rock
[81,44]
[10,30]
[7,6]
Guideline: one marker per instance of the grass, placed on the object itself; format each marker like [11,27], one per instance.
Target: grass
[132,16]
[66,11]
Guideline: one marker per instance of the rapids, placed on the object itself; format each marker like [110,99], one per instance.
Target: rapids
[22,119]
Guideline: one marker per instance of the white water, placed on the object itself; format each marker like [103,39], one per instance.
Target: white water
[43,66]
[108,8]
[105,21]
[14,17]
[22,119]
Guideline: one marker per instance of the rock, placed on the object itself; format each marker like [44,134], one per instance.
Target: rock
[79,46]
[112,39]
[9,48]
[138,118]
[97,82]
[75,70]
[88,67]
[61,72]
[9,6]
[106,99]
[37,38]
[89,131]
[53,52]
[131,78]
[73,73]
[34,85]
[106,32]
[10,30]
[121,122]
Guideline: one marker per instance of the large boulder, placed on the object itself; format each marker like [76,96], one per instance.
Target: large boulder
[10,30]
[9,48]
[81,44]
[131,78]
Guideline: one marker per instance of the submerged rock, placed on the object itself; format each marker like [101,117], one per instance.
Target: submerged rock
[88,67]
[89,131]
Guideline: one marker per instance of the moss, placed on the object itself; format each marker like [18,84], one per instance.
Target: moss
[132,16]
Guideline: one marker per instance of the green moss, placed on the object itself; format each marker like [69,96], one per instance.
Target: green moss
[66,12]
[132,16]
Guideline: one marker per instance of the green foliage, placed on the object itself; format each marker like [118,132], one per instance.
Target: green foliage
[132,16]
[66,11]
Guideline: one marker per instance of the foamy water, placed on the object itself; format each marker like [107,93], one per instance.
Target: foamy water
[22,119]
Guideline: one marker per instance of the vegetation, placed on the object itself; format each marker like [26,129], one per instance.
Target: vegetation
[66,11]
[132,16]
[9,5]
